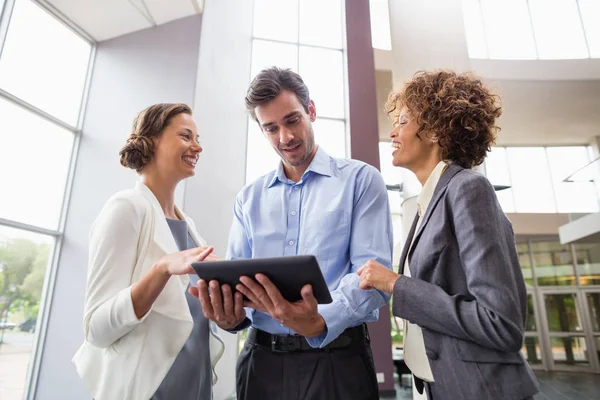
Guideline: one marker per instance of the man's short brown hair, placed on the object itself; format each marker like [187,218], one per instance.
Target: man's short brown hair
[269,84]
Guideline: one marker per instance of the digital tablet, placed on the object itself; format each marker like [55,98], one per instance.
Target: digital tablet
[289,274]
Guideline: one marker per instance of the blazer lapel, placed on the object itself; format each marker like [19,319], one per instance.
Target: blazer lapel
[407,244]
[162,233]
[440,188]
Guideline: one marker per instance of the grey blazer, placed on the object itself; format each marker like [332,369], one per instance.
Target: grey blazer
[467,293]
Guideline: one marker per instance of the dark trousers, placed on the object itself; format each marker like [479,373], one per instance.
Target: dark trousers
[346,373]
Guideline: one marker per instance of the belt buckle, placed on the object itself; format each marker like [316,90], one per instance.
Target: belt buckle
[284,344]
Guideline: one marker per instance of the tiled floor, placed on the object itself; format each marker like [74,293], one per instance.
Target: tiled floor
[553,386]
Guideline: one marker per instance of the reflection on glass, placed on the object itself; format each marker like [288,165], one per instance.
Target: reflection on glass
[503,42]
[267,54]
[531,350]
[588,263]
[525,261]
[330,134]
[34,160]
[553,264]
[321,23]
[24,257]
[571,197]
[593,300]
[276,19]
[590,9]
[322,71]
[552,43]
[569,350]
[530,327]
[531,181]
[43,62]
[562,313]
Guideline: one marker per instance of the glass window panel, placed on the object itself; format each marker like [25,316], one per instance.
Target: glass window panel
[593,300]
[590,12]
[44,62]
[271,54]
[525,261]
[531,350]
[553,264]
[562,313]
[588,263]
[569,350]
[474,29]
[321,23]
[34,160]
[331,136]
[496,170]
[531,181]
[322,71]
[276,19]
[571,197]
[24,257]
[261,157]
[557,28]
[380,24]
[508,29]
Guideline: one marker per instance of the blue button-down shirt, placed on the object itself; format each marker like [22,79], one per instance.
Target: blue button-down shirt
[339,212]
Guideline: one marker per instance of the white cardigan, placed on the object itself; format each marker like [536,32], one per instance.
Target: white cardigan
[124,357]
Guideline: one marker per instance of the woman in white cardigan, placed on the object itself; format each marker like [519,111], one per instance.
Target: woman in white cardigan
[145,335]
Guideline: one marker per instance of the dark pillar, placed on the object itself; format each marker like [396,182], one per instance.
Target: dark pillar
[364,138]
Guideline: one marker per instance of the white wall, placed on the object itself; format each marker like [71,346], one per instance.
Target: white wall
[223,78]
[131,72]
[545,102]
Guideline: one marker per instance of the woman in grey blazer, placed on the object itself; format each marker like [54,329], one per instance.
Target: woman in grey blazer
[460,288]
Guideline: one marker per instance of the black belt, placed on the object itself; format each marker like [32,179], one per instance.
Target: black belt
[287,343]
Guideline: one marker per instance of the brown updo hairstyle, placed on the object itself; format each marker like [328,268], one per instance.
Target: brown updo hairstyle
[149,124]
[457,108]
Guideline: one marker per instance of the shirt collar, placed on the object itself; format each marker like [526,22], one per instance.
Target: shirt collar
[428,188]
[320,164]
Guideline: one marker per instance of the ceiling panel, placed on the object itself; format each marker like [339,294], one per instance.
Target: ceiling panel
[104,19]
[107,19]
[168,10]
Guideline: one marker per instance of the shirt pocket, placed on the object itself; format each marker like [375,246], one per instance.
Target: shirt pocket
[332,235]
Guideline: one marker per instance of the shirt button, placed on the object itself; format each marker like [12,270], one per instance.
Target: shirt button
[296,187]
[291,242]
[293,212]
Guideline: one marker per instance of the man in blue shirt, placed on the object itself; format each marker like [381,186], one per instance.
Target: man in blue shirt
[314,204]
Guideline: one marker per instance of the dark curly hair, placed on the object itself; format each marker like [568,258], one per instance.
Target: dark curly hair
[149,123]
[458,108]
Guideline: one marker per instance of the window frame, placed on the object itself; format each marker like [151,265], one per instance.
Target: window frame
[31,379]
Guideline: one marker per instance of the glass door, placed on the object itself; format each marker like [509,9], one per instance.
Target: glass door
[567,341]
[591,305]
